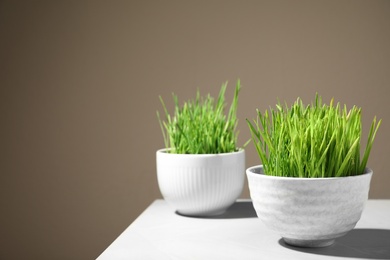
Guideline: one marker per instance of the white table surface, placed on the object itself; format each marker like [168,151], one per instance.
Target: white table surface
[160,233]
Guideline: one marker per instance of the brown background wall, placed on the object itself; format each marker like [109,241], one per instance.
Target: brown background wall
[79,86]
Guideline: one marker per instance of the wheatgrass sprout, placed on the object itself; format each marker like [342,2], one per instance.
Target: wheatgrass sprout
[314,141]
[200,126]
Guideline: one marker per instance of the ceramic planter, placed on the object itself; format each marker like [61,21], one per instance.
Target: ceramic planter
[200,184]
[308,212]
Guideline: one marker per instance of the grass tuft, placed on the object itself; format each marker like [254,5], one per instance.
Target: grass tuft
[200,126]
[313,141]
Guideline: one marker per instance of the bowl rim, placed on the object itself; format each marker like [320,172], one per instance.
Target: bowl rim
[249,171]
[164,151]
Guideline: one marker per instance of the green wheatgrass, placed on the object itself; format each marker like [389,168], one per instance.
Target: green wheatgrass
[200,126]
[314,141]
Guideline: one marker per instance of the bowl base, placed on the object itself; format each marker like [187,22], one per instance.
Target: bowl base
[308,243]
[211,213]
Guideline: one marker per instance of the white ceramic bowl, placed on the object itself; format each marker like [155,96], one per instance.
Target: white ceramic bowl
[308,212]
[200,184]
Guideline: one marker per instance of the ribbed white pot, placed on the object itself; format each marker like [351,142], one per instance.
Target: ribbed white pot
[308,212]
[200,184]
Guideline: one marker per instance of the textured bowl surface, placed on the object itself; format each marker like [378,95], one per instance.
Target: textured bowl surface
[308,212]
[200,184]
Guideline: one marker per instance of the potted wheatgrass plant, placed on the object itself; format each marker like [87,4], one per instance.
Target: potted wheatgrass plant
[201,171]
[313,183]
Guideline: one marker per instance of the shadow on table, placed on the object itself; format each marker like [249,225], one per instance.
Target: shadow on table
[240,209]
[358,243]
